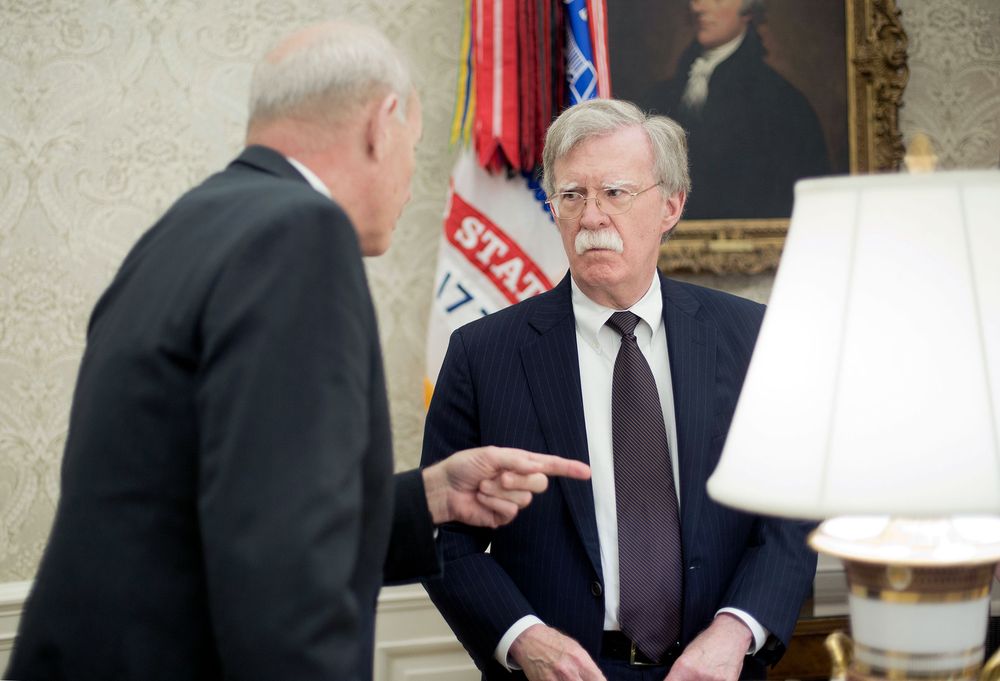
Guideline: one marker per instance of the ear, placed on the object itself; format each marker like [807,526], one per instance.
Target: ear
[673,207]
[377,131]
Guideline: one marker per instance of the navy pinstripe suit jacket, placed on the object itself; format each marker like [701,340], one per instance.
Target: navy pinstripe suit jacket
[513,379]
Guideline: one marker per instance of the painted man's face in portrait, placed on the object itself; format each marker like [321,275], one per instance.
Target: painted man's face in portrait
[718,21]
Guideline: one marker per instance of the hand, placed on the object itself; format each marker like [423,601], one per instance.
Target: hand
[487,486]
[716,654]
[548,655]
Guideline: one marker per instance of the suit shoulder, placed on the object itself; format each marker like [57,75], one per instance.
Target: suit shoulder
[231,214]
[720,305]
[236,207]
[716,296]
[265,197]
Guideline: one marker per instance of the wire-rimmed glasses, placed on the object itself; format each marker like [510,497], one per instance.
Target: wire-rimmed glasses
[609,200]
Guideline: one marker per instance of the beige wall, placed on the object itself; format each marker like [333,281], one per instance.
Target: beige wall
[108,110]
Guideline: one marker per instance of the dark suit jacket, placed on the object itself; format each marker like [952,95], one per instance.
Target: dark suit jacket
[513,379]
[227,485]
[755,135]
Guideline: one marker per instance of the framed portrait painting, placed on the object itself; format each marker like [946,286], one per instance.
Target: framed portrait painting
[769,91]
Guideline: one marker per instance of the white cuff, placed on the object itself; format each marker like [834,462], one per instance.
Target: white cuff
[502,653]
[760,634]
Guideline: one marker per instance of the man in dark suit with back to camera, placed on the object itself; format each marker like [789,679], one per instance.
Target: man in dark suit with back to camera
[637,574]
[227,501]
[751,133]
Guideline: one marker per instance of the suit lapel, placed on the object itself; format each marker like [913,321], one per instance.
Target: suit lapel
[691,347]
[553,372]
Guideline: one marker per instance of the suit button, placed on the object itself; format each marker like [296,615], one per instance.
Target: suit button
[596,589]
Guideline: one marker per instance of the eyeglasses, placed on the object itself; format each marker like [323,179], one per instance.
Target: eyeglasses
[611,201]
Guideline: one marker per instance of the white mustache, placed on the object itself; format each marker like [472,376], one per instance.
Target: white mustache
[602,239]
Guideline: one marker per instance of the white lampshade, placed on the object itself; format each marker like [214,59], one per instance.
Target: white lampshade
[875,384]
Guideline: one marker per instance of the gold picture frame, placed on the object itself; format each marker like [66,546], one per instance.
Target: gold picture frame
[877,74]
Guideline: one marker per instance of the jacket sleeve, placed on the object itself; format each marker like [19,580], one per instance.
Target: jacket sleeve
[475,595]
[412,552]
[773,579]
[774,573]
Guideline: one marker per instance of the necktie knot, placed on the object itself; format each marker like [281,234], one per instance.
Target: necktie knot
[624,323]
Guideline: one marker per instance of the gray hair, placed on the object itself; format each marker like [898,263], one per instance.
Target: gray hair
[598,117]
[333,69]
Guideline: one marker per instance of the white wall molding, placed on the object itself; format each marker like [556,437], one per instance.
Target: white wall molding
[829,588]
[408,597]
[12,597]
[414,643]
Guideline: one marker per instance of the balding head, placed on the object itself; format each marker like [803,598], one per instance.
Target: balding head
[324,74]
[337,99]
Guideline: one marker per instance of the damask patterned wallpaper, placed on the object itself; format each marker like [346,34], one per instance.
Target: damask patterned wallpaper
[109,109]
[954,90]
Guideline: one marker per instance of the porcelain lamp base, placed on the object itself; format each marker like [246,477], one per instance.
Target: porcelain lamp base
[919,596]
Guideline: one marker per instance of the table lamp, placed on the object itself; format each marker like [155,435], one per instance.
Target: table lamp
[872,402]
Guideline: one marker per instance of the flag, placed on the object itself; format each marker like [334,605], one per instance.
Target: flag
[523,61]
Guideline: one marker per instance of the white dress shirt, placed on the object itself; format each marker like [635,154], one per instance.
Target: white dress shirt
[597,347]
[310,176]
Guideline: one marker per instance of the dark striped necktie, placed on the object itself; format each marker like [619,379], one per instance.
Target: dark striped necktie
[649,538]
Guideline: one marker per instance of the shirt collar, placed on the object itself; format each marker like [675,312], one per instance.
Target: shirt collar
[591,317]
[310,176]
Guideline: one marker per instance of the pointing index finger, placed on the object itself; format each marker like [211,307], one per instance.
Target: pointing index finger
[557,465]
[525,462]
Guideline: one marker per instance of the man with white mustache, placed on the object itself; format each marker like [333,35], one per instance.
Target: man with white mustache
[606,239]
[636,574]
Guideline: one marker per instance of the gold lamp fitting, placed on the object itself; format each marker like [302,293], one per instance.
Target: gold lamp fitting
[920,156]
